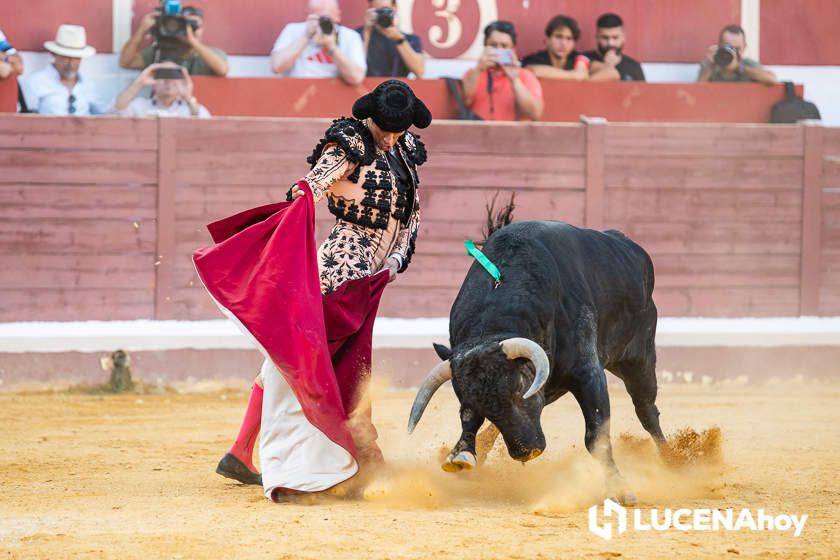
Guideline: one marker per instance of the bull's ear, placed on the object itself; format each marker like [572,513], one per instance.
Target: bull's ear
[443,351]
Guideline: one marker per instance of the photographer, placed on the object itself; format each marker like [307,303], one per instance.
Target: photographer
[725,62]
[319,47]
[390,52]
[10,60]
[498,88]
[172,94]
[186,48]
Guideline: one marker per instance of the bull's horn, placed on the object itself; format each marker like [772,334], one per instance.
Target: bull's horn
[439,375]
[526,348]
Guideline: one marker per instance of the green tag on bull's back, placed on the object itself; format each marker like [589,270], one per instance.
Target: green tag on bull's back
[482,259]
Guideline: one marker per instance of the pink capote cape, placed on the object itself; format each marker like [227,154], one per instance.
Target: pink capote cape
[263,270]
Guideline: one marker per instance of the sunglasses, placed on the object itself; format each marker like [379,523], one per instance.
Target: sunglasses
[71,104]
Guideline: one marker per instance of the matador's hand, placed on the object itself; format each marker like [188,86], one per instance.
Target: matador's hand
[297,192]
[393,266]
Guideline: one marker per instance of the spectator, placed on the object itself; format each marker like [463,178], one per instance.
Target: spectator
[725,62]
[559,60]
[10,60]
[188,51]
[609,62]
[310,49]
[59,89]
[172,94]
[390,52]
[498,88]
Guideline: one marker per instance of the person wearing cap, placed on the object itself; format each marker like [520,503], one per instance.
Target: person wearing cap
[59,89]
[172,94]
[198,58]
[10,61]
[367,169]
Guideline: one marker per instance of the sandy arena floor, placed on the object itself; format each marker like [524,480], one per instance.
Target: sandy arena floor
[133,477]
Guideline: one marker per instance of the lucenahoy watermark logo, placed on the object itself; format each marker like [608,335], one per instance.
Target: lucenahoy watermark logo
[618,519]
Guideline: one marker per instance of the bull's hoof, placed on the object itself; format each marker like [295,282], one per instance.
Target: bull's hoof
[625,498]
[456,462]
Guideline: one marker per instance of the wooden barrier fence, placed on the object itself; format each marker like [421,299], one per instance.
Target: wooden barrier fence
[100,215]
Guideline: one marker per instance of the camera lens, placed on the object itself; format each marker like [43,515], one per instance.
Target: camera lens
[724,55]
[326,25]
[384,17]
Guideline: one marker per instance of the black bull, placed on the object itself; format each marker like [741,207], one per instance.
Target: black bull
[572,302]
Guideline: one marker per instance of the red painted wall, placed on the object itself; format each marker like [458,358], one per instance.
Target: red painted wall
[28,24]
[793,35]
[656,31]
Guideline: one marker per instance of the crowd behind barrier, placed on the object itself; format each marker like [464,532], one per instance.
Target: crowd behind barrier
[503,83]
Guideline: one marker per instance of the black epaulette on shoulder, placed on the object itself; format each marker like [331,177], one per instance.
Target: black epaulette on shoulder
[352,136]
[415,149]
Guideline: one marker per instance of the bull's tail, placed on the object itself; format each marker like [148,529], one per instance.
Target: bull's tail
[497,219]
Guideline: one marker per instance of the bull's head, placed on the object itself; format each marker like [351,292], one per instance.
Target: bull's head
[499,381]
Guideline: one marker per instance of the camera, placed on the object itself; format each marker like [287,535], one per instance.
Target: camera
[171,22]
[724,55]
[326,24]
[168,74]
[384,17]
[504,56]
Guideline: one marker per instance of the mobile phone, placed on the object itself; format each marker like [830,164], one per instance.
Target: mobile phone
[168,74]
[504,56]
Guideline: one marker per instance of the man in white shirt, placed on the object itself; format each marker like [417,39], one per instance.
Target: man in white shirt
[59,89]
[316,48]
[172,94]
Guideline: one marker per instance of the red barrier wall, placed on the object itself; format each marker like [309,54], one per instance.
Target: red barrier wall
[565,102]
[792,33]
[8,95]
[99,217]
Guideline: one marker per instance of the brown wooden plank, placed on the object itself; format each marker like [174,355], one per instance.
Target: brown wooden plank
[77,236]
[831,171]
[77,202]
[696,237]
[718,140]
[60,303]
[594,170]
[518,171]
[165,249]
[241,168]
[703,172]
[122,271]
[77,166]
[101,133]
[400,300]
[831,141]
[729,270]
[746,301]
[709,206]
[504,139]
[809,280]
[296,137]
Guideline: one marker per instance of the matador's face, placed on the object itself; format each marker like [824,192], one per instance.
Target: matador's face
[383,139]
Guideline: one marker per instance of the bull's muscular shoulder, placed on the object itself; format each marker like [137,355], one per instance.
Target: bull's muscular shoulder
[352,136]
[415,149]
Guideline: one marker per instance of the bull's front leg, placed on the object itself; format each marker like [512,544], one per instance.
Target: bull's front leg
[594,400]
[462,455]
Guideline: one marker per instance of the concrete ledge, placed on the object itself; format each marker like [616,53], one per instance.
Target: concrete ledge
[146,335]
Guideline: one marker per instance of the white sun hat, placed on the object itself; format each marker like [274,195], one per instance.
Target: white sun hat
[70,40]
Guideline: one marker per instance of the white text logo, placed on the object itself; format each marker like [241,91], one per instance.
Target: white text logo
[618,519]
